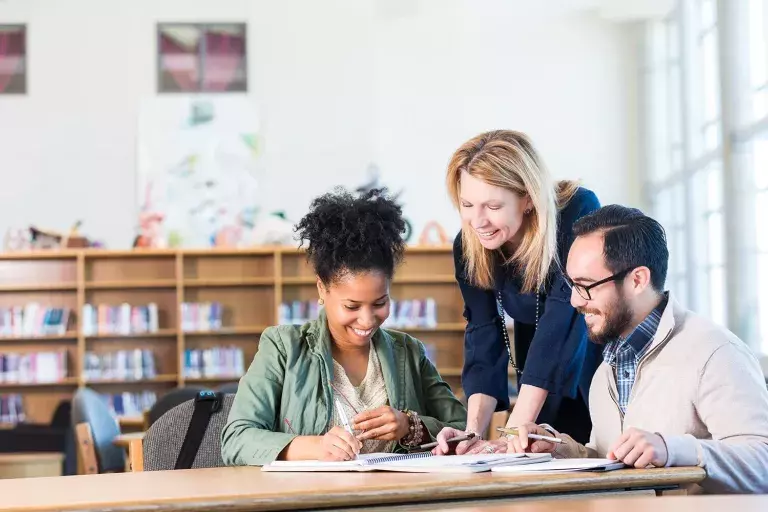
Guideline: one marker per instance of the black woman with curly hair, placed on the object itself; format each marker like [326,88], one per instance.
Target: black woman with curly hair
[305,380]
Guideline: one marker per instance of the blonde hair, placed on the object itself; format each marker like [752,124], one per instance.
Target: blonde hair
[507,159]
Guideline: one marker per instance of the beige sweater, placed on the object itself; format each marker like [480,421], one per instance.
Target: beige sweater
[702,389]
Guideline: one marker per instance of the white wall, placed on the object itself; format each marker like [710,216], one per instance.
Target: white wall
[339,84]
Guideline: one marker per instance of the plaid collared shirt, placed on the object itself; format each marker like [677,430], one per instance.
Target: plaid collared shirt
[624,354]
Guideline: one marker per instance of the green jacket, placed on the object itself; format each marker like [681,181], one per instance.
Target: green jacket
[290,378]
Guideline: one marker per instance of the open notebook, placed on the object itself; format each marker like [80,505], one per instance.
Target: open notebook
[563,466]
[423,462]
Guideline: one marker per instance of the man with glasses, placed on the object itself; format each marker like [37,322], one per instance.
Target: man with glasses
[674,388]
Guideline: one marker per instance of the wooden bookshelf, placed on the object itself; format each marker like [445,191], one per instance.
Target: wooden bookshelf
[250,284]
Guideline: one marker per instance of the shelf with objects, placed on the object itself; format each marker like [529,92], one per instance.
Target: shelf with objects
[135,324]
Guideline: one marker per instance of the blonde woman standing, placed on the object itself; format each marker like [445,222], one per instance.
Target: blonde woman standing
[516,233]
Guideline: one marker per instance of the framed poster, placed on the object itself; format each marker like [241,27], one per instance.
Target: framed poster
[199,163]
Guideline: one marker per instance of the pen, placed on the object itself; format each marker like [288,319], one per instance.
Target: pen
[459,439]
[343,416]
[513,431]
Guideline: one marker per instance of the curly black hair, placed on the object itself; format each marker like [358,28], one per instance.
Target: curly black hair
[348,234]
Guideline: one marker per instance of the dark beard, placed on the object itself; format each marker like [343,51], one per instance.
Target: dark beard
[616,319]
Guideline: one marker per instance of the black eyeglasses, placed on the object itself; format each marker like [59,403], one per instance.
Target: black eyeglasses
[583,291]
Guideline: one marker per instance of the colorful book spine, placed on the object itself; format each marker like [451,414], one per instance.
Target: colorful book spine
[224,362]
[33,367]
[130,404]
[12,409]
[413,313]
[136,364]
[121,320]
[201,316]
[298,312]
[33,319]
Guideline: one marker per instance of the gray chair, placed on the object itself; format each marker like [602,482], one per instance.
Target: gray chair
[162,442]
[170,400]
[89,408]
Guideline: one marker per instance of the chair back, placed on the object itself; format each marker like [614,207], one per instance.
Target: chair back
[170,400]
[162,442]
[88,407]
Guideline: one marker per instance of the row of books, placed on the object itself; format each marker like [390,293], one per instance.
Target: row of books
[412,313]
[402,313]
[130,404]
[11,409]
[120,319]
[33,367]
[136,364]
[33,319]
[298,312]
[214,362]
[201,316]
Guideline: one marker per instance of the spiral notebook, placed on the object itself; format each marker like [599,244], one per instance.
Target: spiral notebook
[423,462]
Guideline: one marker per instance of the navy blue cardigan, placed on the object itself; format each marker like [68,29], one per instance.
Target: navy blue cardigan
[557,356]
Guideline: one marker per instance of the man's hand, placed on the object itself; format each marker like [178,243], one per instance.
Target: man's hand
[639,448]
[522,444]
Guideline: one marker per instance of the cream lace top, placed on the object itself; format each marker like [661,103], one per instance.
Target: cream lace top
[370,394]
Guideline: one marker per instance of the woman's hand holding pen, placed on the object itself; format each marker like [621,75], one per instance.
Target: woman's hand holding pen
[383,423]
[338,444]
[443,448]
[521,443]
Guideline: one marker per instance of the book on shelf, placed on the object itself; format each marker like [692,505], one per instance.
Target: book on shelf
[412,313]
[298,312]
[33,319]
[201,316]
[214,362]
[123,319]
[130,404]
[136,364]
[12,409]
[33,367]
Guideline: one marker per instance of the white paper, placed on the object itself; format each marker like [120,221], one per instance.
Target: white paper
[563,465]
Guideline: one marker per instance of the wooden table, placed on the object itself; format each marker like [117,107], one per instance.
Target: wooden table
[670,504]
[248,488]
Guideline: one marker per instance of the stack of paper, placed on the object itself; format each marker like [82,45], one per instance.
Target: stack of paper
[563,466]
[414,463]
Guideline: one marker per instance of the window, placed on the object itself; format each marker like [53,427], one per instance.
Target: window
[758,58]
[13,59]
[759,177]
[707,76]
[202,57]
[685,168]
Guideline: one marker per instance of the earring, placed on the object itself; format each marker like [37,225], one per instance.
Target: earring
[320,301]
[528,211]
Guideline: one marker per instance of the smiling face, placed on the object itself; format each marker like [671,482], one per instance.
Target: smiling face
[356,304]
[494,214]
[608,314]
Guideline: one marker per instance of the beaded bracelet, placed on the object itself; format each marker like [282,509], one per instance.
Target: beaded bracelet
[415,431]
